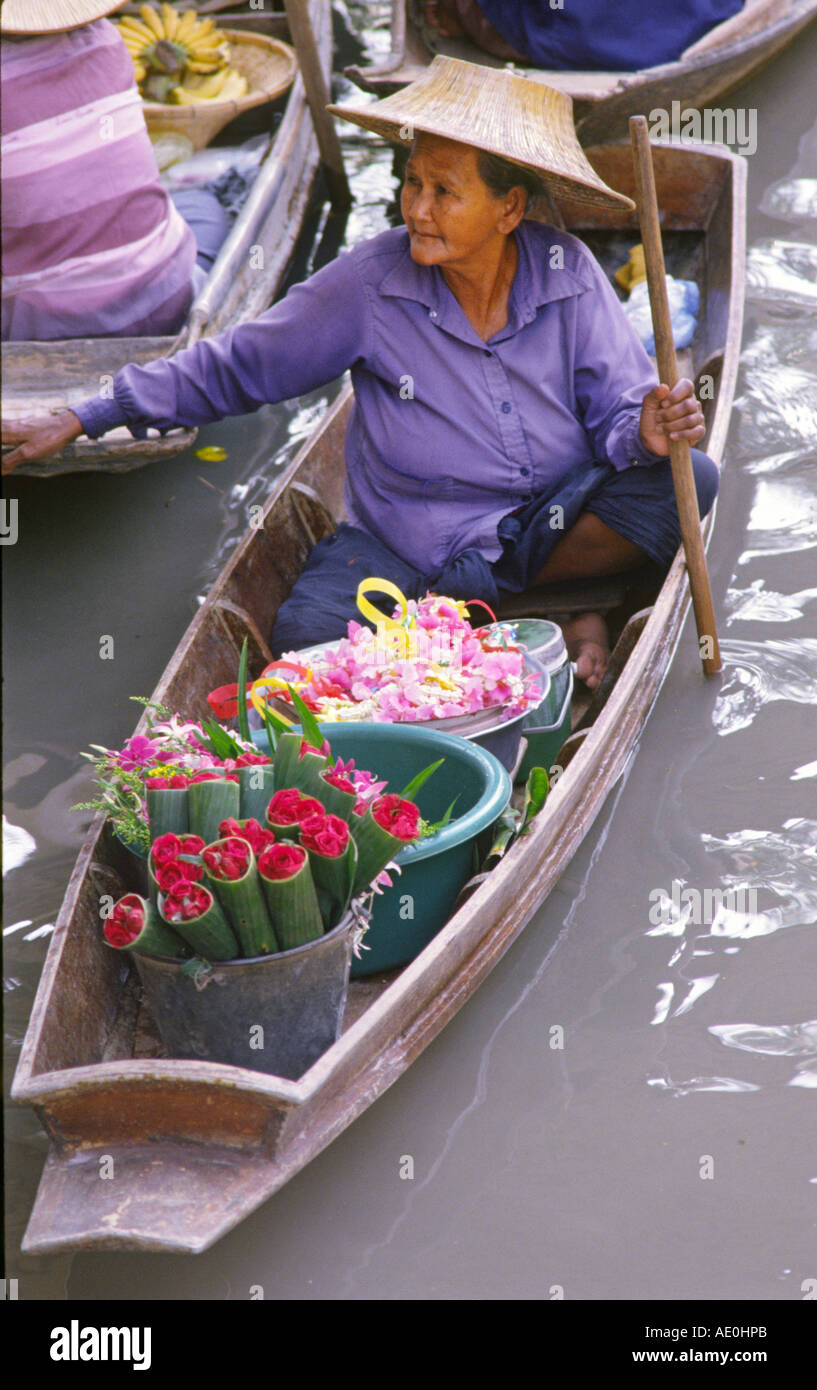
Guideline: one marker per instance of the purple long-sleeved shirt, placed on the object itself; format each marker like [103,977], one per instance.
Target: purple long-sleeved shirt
[449,433]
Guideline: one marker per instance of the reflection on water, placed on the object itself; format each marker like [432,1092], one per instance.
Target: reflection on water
[757,673]
[701,1083]
[757,604]
[782,274]
[791,200]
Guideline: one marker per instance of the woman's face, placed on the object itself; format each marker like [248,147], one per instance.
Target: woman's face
[452,217]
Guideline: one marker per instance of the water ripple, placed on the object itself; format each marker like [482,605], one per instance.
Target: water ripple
[758,673]
[700,1083]
[776,1040]
[791,200]
[782,274]
[783,863]
[757,604]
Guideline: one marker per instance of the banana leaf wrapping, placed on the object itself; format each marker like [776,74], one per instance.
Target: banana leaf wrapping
[292,770]
[135,925]
[377,844]
[333,861]
[256,784]
[209,803]
[241,895]
[167,810]
[286,881]
[335,796]
[208,932]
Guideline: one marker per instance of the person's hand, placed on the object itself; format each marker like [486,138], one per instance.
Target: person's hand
[667,415]
[39,437]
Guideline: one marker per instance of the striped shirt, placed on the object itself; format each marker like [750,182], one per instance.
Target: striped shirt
[92,244]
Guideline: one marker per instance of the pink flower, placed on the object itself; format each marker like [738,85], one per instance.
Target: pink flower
[137,752]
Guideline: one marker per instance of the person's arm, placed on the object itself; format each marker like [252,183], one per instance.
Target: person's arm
[613,374]
[311,337]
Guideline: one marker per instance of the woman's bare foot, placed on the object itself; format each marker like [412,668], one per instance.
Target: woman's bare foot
[440,15]
[587,643]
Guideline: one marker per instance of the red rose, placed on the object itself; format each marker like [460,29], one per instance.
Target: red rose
[326,835]
[186,901]
[125,922]
[289,806]
[281,860]
[229,827]
[252,759]
[165,849]
[305,747]
[337,779]
[191,844]
[401,818]
[228,858]
[213,775]
[256,836]
[171,874]
[174,783]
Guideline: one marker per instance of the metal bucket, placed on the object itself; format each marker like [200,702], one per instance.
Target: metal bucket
[276,1014]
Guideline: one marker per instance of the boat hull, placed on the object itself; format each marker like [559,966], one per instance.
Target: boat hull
[224,1139]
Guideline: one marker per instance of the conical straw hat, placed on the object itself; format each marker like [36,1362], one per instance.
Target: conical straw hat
[52,16]
[498,111]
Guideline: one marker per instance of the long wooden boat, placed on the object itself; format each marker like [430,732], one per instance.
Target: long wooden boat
[42,376]
[198,1146]
[603,102]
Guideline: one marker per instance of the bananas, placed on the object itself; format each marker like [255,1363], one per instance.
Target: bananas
[179,57]
[226,85]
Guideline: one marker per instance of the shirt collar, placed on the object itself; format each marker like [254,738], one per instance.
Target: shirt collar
[537,282]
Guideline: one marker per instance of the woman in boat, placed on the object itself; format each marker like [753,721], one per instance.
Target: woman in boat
[508,427]
[580,36]
[93,246]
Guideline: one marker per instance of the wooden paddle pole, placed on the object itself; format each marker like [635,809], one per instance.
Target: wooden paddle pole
[317,94]
[680,461]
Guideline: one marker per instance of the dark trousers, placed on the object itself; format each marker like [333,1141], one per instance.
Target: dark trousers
[637,503]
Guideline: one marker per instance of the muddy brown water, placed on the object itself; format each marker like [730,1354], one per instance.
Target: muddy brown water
[625,1110]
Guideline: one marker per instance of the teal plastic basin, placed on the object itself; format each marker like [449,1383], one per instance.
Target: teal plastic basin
[433,870]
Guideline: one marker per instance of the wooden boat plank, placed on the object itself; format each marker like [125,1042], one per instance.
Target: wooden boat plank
[289,1122]
[603,102]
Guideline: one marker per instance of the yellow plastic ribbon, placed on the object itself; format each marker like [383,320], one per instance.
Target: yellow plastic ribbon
[382,586]
[269,682]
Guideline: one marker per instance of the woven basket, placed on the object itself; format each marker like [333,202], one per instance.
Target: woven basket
[269,67]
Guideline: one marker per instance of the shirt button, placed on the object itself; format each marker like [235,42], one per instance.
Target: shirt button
[525,472]
[506,407]
[432,313]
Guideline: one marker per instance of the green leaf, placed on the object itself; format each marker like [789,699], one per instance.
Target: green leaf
[429,829]
[270,728]
[536,792]
[505,831]
[309,724]
[410,791]
[220,741]
[243,721]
